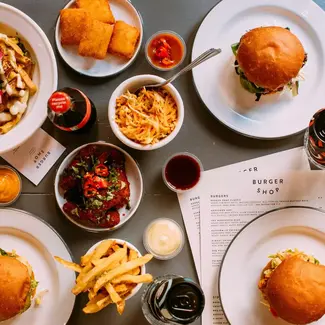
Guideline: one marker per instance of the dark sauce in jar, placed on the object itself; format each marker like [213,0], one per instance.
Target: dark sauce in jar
[183,172]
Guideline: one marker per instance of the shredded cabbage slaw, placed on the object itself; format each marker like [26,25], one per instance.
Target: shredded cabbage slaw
[147,117]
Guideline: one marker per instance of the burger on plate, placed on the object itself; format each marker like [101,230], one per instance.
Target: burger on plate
[17,285]
[293,287]
[269,60]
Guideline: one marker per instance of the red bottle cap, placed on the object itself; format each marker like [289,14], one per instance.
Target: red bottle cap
[59,102]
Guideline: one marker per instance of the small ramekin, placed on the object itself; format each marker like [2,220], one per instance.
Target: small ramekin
[168,184]
[163,257]
[164,32]
[5,204]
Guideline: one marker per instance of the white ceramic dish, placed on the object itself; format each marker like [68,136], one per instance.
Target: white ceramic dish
[274,116]
[143,268]
[294,227]
[133,174]
[133,84]
[38,242]
[45,74]
[111,65]
[161,33]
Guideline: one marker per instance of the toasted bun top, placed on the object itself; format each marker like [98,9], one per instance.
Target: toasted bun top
[296,291]
[14,287]
[270,56]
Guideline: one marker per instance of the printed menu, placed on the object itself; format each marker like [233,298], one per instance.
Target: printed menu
[36,156]
[230,203]
[294,159]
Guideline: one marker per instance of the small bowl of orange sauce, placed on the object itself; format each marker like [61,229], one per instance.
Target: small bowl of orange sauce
[165,50]
[10,185]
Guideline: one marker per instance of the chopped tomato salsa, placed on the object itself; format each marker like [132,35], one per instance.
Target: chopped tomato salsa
[166,51]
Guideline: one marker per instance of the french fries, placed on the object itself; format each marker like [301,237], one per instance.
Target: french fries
[120,270]
[112,293]
[127,278]
[120,307]
[108,275]
[97,270]
[101,250]
[70,265]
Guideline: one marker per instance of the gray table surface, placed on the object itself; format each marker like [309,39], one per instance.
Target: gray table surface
[201,134]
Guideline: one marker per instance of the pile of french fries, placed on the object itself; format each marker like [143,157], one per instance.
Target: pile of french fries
[108,274]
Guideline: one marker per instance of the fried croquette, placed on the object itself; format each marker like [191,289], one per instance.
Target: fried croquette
[73,23]
[95,40]
[98,9]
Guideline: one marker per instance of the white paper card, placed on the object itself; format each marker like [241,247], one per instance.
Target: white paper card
[36,156]
[235,200]
[293,159]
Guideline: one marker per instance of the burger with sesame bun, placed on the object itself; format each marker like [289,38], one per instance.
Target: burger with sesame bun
[293,287]
[269,60]
[17,285]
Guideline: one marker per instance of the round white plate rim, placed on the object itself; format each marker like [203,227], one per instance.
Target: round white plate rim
[63,273]
[73,153]
[40,118]
[243,6]
[266,214]
[84,73]
[143,267]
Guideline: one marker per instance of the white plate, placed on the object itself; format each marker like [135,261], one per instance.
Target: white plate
[294,227]
[274,116]
[112,64]
[143,267]
[35,240]
[45,74]
[133,174]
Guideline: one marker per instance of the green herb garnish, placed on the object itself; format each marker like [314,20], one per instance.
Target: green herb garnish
[33,285]
[75,170]
[235,47]
[3,252]
[22,46]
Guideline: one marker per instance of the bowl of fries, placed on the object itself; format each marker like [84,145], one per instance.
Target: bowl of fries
[111,272]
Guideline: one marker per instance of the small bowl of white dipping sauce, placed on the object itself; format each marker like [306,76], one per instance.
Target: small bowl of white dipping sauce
[163,238]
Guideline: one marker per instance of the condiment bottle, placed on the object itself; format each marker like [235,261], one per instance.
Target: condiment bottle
[71,110]
[315,139]
[172,299]
[163,238]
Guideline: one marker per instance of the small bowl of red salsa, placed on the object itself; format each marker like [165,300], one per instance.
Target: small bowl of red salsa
[165,50]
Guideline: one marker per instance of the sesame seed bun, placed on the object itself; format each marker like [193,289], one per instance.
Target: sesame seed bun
[296,291]
[14,287]
[270,56]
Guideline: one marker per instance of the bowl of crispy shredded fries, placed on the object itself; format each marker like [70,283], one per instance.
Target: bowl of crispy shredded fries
[147,119]
[111,272]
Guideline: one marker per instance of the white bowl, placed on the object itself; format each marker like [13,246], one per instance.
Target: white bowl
[133,174]
[132,84]
[45,74]
[143,267]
